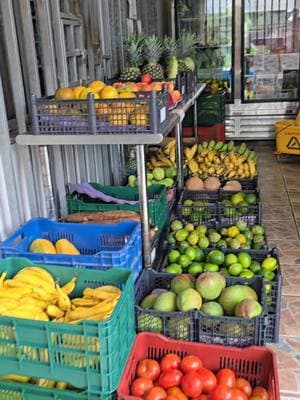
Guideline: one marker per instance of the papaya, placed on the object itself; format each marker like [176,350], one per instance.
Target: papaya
[42,246]
[63,246]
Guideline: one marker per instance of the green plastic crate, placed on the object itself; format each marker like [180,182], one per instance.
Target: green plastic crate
[157,203]
[89,355]
[22,391]
[210,111]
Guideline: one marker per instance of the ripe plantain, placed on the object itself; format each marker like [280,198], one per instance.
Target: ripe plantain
[70,286]
[54,312]
[64,303]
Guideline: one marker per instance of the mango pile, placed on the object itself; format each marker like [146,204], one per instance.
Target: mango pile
[221,160]
[62,246]
[34,294]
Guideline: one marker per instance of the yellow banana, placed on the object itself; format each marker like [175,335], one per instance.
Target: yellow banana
[70,286]
[35,291]
[252,168]
[14,293]
[46,383]
[240,160]
[211,155]
[102,292]
[43,273]
[61,385]
[64,303]
[41,316]
[16,378]
[54,311]
[82,313]
[193,166]
[173,155]
[9,304]
[169,146]
[31,300]
[33,279]
[2,278]
[84,302]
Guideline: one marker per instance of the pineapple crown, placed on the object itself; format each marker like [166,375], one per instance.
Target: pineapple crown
[134,50]
[152,49]
[187,43]
[170,47]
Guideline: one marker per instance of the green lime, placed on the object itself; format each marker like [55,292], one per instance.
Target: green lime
[251,199]
[188,202]
[243,208]
[235,244]
[201,229]
[224,231]
[268,288]
[222,244]
[181,235]
[269,264]
[211,267]
[203,242]
[224,271]
[189,227]
[173,256]
[183,246]
[248,235]
[268,275]
[255,267]
[246,273]
[258,230]
[195,268]
[191,252]
[171,239]
[242,225]
[176,225]
[216,257]
[184,261]
[244,259]
[200,255]
[237,198]
[235,269]
[174,269]
[230,259]
[193,238]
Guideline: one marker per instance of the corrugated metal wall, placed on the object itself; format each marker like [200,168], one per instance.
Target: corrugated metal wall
[47,42]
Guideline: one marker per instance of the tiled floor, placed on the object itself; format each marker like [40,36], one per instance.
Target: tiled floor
[279,184]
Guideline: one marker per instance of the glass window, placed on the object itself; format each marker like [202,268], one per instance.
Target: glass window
[271,50]
[212,21]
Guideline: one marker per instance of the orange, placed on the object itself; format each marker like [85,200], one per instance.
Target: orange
[103,109]
[146,88]
[109,92]
[139,119]
[77,90]
[84,94]
[118,119]
[97,85]
[157,86]
[127,95]
[134,87]
[64,93]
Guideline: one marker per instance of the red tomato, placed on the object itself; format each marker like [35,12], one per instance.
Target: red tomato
[177,392]
[191,384]
[238,394]
[261,392]
[148,369]
[170,398]
[255,398]
[208,378]
[140,386]
[190,363]
[146,78]
[155,393]
[226,377]
[221,392]
[202,397]
[170,361]
[243,385]
[170,378]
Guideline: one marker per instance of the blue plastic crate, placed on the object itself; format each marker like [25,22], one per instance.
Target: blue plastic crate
[100,246]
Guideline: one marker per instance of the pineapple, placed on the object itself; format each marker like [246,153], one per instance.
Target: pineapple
[133,47]
[170,52]
[186,48]
[153,50]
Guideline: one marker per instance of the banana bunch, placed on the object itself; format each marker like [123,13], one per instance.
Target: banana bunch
[165,157]
[33,294]
[38,382]
[221,160]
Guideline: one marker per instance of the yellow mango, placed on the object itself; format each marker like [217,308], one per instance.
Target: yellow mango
[42,246]
[63,246]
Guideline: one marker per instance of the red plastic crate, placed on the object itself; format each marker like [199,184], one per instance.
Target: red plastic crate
[257,364]
[214,132]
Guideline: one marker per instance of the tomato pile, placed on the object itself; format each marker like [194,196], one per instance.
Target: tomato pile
[182,379]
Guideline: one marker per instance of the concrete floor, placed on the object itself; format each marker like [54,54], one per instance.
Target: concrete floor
[279,184]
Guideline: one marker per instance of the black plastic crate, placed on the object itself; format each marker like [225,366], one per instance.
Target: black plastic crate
[273,288]
[194,325]
[201,214]
[251,214]
[186,82]
[247,184]
[147,113]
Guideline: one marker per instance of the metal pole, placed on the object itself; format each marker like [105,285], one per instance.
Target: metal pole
[178,136]
[195,126]
[142,182]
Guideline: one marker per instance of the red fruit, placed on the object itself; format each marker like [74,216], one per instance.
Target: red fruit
[146,78]
[243,385]
[170,398]
[202,397]
[148,369]
[221,392]
[190,363]
[238,394]
[177,393]
[226,377]
[191,384]
[170,361]
[261,392]
[170,378]
[208,378]
[156,393]
[140,386]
